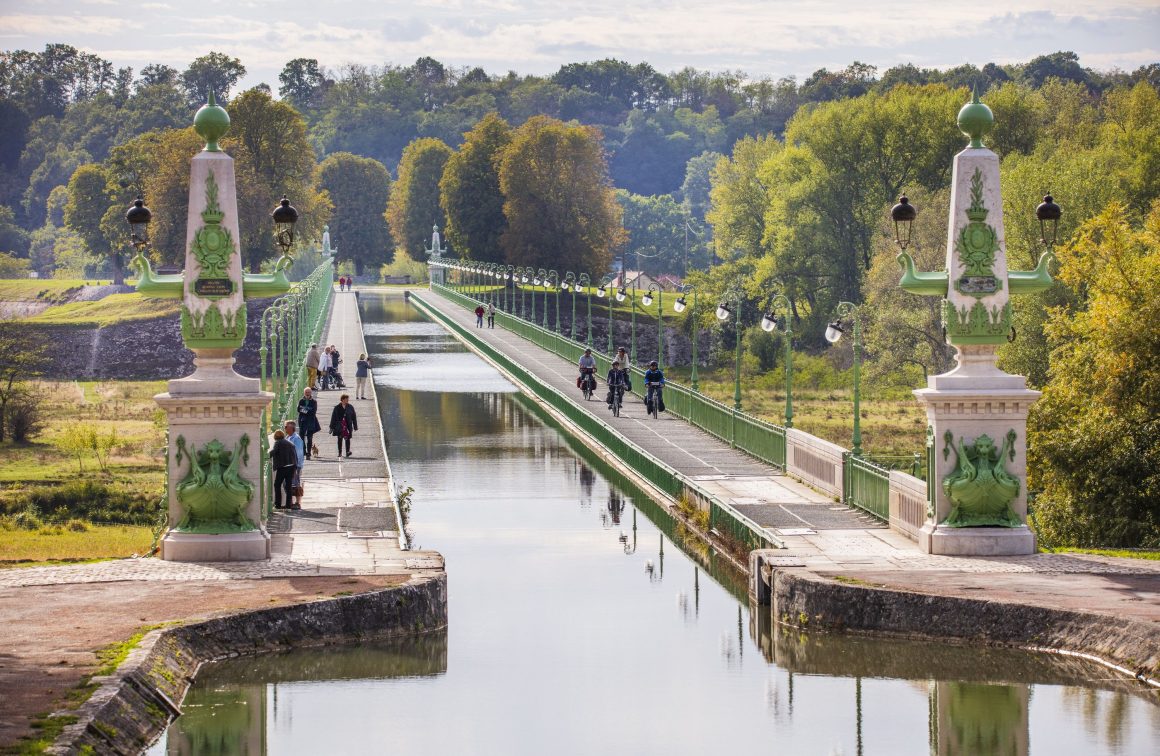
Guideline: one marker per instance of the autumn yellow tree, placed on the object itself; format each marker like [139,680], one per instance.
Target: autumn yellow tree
[1094,436]
[559,203]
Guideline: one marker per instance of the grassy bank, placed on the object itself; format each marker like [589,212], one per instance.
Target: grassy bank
[57,504]
[115,308]
[893,423]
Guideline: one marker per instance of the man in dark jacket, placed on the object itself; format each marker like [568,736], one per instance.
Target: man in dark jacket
[308,420]
[343,422]
[284,457]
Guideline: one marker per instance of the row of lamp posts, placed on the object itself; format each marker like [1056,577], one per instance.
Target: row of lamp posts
[848,315]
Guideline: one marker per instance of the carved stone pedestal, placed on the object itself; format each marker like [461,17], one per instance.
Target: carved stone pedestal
[978,417]
[214,464]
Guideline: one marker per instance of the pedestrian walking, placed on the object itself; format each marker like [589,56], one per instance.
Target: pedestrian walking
[343,422]
[362,371]
[308,420]
[491,315]
[312,360]
[285,461]
[324,370]
[291,431]
[479,316]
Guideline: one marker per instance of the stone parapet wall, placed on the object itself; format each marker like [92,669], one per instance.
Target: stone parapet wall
[814,461]
[907,504]
[131,707]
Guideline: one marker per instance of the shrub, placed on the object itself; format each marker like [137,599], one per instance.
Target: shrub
[24,417]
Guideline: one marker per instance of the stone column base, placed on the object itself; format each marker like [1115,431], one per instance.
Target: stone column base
[939,539]
[217,547]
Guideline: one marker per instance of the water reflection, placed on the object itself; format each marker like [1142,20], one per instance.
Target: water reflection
[584,619]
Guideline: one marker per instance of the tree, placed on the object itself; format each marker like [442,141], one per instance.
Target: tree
[21,358]
[558,201]
[215,72]
[469,191]
[301,83]
[414,203]
[358,188]
[13,238]
[1094,436]
[656,233]
[268,140]
[88,201]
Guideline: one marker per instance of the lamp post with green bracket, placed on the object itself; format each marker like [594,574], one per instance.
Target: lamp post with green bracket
[723,314]
[977,414]
[768,324]
[585,282]
[647,301]
[215,414]
[601,291]
[834,332]
[680,306]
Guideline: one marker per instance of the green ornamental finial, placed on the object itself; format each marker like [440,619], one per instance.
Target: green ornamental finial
[211,122]
[976,120]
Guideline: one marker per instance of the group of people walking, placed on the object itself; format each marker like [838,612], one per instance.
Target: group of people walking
[294,442]
[489,312]
[345,282]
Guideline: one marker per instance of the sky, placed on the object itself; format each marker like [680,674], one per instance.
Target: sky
[759,37]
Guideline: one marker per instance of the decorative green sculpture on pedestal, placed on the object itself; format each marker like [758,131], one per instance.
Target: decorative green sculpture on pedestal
[980,486]
[212,495]
[214,413]
[981,504]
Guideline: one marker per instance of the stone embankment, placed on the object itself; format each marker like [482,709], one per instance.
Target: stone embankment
[131,706]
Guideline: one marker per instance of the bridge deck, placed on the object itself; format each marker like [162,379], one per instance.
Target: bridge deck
[756,489]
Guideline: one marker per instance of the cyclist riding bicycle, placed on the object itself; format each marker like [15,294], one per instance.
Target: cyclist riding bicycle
[618,381]
[654,379]
[587,371]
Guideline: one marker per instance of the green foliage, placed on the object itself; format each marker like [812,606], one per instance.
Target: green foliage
[470,195]
[268,140]
[1094,436]
[13,238]
[214,72]
[560,209]
[403,265]
[359,189]
[656,233]
[13,267]
[414,203]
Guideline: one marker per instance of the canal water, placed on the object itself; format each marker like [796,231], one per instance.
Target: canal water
[582,621]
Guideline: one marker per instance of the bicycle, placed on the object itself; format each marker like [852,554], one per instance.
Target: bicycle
[617,400]
[587,384]
[653,399]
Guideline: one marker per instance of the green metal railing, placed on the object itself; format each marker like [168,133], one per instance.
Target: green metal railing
[866,486]
[290,325]
[754,436]
[722,517]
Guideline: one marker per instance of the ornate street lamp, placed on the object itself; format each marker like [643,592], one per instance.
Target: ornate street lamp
[680,306]
[587,282]
[506,272]
[556,288]
[724,312]
[903,215]
[138,218]
[647,301]
[523,274]
[566,285]
[601,291]
[768,324]
[833,333]
[1048,214]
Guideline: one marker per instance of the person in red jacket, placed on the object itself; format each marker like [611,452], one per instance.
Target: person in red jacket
[479,316]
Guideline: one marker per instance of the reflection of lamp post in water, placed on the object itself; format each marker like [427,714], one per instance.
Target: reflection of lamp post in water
[629,549]
[656,573]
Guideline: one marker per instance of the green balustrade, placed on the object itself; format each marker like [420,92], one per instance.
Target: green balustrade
[866,485]
[290,325]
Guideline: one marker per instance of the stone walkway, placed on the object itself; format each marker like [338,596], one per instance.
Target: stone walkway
[827,537]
